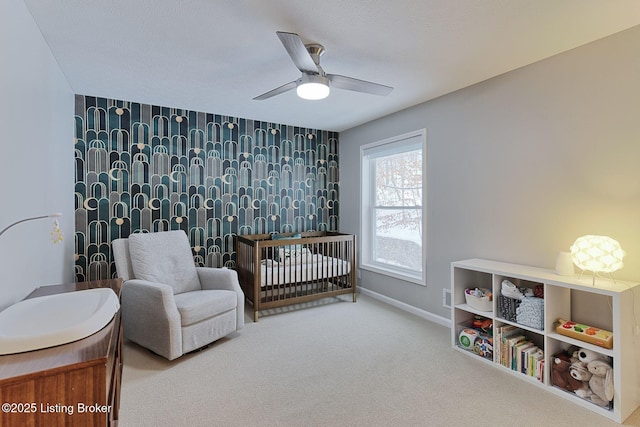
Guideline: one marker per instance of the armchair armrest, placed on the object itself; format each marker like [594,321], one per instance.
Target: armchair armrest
[226,279]
[218,278]
[151,318]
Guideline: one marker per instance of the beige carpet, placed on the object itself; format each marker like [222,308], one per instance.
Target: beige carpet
[335,363]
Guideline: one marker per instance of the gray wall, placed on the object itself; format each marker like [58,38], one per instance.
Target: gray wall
[36,164]
[521,165]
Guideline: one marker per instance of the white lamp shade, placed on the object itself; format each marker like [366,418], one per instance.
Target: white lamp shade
[597,254]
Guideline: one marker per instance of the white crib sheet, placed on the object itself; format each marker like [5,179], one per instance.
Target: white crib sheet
[304,268]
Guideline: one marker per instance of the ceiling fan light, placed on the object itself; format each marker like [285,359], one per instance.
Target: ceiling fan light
[313,87]
[312,91]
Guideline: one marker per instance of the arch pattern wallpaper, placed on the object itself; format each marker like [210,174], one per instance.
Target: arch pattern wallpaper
[146,168]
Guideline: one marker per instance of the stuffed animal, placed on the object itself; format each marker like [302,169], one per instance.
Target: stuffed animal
[579,372]
[586,356]
[560,375]
[601,382]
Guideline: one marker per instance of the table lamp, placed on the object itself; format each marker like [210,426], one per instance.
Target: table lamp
[598,254]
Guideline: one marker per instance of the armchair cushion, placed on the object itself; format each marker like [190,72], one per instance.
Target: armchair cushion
[200,305]
[164,258]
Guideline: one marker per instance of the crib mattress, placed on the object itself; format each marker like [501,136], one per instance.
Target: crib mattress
[303,269]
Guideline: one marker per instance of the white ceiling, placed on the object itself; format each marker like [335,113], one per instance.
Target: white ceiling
[216,55]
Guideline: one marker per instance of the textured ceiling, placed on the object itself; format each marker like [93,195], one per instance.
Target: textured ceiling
[216,55]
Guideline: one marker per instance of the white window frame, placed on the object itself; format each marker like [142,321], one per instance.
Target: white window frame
[391,145]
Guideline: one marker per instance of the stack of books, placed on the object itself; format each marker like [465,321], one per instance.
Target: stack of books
[516,352]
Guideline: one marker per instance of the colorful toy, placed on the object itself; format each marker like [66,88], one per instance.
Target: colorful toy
[484,347]
[484,324]
[467,338]
[585,333]
[478,337]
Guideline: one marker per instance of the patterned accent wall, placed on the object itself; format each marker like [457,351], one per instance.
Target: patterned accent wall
[146,168]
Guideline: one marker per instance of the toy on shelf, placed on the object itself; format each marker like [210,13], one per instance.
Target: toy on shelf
[585,333]
[478,337]
[467,338]
[590,375]
[561,375]
[483,324]
[484,347]
[601,382]
[578,370]
[600,375]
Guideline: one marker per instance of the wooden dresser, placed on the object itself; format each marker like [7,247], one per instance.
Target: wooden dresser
[72,384]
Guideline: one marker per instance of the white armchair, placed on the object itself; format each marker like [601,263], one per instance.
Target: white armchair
[169,305]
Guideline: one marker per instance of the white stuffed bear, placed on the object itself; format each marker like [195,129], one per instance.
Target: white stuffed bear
[586,356]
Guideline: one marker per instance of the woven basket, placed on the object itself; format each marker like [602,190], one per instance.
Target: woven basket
[507,307]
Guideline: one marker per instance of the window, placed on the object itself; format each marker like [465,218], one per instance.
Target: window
[393,201]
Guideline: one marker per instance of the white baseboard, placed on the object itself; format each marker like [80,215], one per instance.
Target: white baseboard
[408,308]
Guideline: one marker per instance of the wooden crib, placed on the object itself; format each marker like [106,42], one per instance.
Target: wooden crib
[294,268]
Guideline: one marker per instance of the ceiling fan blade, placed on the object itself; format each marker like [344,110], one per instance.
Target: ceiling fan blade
[298,52]
[276,91]
[349,83]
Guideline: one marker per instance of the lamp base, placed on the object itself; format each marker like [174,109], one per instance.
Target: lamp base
[593,277]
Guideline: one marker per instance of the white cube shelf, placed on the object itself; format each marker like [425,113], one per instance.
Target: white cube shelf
[606,305]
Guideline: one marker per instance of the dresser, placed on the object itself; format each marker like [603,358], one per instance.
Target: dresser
[72,384]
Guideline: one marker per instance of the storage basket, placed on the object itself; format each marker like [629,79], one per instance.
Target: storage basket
[521,312]
[479,303]
[507,308]
[530,312]
[561,367]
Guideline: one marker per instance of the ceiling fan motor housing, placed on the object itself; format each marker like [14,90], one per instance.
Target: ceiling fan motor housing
[316,51]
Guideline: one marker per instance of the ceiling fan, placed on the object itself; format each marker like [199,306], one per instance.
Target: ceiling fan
[314,82]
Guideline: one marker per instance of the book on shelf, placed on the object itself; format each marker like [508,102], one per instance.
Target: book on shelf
[502,334]
[510,345]
[518,364]
[515,351]
[537,362]
[540,369]
[530,362]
